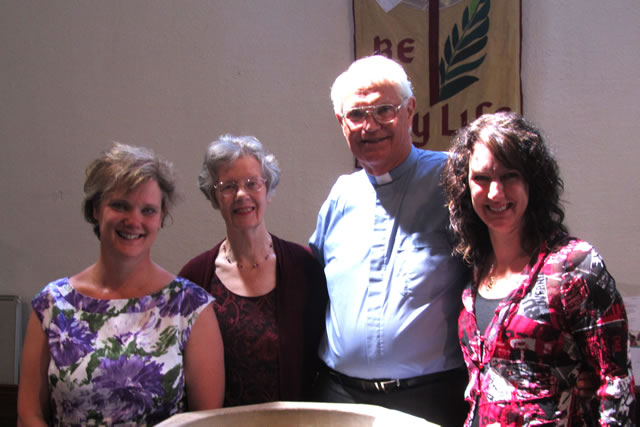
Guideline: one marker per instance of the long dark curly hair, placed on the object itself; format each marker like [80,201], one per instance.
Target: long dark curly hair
[518,145]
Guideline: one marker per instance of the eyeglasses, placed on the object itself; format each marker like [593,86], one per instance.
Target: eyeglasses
[250,185]
[383,114]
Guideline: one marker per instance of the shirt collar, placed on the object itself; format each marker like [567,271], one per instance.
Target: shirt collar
[397,172]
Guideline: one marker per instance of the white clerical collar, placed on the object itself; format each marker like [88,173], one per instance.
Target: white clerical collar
[396,173]
[383,179]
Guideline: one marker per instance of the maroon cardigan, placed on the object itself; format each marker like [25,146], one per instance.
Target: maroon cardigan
[301,301]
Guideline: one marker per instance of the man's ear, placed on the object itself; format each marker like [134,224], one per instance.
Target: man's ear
[411,107]
[345,129]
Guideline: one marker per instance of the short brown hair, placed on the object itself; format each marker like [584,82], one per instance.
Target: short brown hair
[125,167]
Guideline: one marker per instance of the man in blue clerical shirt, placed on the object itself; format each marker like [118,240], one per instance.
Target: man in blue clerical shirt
[391,324]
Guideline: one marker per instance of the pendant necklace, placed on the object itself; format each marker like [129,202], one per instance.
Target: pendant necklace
[492,278]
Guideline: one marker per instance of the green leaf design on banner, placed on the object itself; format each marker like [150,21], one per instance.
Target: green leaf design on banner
[463,43]
[473,6]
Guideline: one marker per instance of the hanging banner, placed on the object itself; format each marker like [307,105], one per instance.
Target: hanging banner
[463,57]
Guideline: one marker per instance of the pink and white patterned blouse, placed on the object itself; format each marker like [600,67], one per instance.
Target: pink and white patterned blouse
[565,317]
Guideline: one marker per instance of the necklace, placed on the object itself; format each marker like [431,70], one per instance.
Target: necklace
[492,278]
[508,277]
[241,266]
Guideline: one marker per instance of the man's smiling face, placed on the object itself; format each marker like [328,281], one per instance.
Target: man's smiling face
[378,147]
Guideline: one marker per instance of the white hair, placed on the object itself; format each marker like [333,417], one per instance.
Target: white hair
[367,72]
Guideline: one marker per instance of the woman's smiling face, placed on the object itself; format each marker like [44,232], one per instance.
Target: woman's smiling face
[499,194]
[129,221]
[244,208]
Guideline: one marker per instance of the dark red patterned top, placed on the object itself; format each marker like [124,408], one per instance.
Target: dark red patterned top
[301,295]
[250,336]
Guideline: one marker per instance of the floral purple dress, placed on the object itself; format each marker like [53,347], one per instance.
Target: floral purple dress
[117,362]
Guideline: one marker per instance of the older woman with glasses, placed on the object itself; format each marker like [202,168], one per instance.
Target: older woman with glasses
[270,294]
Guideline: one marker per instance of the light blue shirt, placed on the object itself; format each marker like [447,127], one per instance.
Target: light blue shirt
[394,288]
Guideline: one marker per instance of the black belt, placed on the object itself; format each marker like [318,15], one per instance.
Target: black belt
[388,385]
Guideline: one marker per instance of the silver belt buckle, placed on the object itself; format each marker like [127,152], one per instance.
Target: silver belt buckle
[381,385]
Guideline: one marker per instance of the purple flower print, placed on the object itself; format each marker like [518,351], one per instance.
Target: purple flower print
[70,407]
[145,303]
[133,383]
[92,305]
[184,301]
[69,340]
[41,303]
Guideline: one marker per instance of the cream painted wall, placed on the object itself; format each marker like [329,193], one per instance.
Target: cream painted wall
[171,76]
[580,67]
[75,75]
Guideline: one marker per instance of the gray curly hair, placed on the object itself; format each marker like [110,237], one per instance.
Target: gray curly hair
[226,150]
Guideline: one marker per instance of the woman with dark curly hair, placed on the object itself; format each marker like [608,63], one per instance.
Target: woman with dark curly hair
[542,306]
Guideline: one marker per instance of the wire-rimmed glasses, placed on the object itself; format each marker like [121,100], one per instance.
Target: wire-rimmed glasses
[383,114]
[250,185]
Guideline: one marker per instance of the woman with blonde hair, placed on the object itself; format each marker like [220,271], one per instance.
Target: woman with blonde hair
[124,341]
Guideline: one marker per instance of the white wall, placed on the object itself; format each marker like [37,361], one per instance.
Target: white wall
[580,83]
[173,75]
